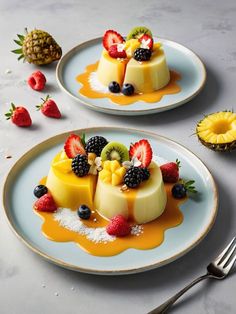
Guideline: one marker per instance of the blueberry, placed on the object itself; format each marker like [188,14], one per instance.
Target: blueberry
[114,87]
[40,190]
[179,190]
[127,89]
[84,212]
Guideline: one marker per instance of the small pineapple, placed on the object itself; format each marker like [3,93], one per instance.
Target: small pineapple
[37,47]
[217,131]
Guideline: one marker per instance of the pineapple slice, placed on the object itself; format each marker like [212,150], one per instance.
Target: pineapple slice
[217,131]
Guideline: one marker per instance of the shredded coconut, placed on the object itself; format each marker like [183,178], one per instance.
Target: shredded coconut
[70,220]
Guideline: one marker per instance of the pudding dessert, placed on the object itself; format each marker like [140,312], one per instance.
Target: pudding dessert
[130,69]
[98,192]
[136,65]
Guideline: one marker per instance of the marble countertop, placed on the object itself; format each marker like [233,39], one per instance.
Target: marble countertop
[28,284]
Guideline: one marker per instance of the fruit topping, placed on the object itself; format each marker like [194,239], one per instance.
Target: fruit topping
[145,174]
[84,212]
[49,108]
[146,42]
[112,172]
[115,151]
[63,165]
[142,54]
[19,116]
[114,87]
[179,190]
[95,163]
[40,190]
[118,226]
[110,38]
[133,177]
[127,89]
[37,81]
[73,146]
[217,131]
[138,32]
[143,151]
[37,47]
[131,45]
[117,51]
[45,203]
[95,145]
[170,171]
[80,165]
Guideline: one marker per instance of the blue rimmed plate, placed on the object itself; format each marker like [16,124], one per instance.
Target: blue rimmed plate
[199,213]
[179,58]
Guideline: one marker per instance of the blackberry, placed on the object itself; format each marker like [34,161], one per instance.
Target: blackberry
[133,177]
[145,173]
[80,165]
[142,54]
[95,145]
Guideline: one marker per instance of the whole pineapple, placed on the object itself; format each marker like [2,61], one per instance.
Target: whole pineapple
[38,47]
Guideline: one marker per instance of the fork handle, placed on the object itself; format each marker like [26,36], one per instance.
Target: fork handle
[165,306]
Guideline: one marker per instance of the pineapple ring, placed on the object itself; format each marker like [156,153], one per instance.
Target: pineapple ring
[217,131]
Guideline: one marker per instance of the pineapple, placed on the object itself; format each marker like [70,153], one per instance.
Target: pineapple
[37,47]
[217,131]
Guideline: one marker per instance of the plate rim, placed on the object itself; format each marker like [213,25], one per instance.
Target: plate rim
[56,139]
[87,43]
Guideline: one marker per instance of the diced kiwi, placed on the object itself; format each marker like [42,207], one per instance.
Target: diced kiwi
[138,32]
[115,151]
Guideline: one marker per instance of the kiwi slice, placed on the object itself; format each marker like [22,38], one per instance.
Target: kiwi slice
[115,151]
[138,32]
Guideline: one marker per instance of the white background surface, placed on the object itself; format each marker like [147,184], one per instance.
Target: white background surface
[207,27]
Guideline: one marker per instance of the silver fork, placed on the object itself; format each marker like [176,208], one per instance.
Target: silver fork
[217,269]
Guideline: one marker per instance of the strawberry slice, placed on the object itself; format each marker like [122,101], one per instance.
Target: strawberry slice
[146,42]
[143,151]
[74,146]
[110,38]
[117,51]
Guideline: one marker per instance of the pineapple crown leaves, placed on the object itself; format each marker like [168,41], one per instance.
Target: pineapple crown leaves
[189,185]
[10,112]
[43,102]
[20,42]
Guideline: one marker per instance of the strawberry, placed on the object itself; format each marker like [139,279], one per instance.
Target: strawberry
[117,51]
[110,38]
[146,41]
[49,108]
[37,81]
[45,203]
[170,171]
[118,226]
[74,146]
[19,116]
[143,151]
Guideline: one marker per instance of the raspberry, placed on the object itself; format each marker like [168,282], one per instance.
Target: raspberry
[37,81]
[118,226]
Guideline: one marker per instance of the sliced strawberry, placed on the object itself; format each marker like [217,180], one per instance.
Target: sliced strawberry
[110,38]
[45,203]
[146,41]
[117,51]
[143,151]
[170,172]
[73,146]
